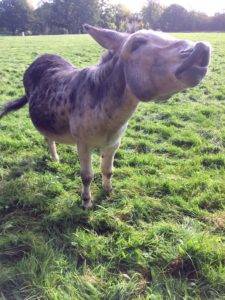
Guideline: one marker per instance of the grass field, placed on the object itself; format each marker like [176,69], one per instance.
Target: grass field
[160,235]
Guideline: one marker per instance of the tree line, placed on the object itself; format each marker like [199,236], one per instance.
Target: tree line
[68,16]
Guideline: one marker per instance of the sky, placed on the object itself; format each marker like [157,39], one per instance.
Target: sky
[209,7]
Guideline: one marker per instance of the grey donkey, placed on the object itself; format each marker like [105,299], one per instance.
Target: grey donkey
[90,107]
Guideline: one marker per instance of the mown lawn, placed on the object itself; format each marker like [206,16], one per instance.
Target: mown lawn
[160,235]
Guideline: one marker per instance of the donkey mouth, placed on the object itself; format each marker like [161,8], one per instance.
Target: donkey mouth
[194,67]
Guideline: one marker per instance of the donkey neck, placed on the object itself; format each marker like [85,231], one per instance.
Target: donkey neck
[111,92]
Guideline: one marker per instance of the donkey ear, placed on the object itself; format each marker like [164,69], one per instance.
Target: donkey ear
[108,39]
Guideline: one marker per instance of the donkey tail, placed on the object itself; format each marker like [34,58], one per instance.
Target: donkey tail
[13,105]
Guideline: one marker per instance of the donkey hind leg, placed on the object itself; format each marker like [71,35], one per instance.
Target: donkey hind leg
[52,149]
[86,174]
[107,158]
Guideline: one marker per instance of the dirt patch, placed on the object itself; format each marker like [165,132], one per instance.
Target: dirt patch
[14,253]
[182,267]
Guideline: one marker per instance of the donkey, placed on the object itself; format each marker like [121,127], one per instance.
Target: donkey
[90,107]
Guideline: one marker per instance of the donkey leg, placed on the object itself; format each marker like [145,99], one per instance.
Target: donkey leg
[52,149]
[107,166]
[86,174]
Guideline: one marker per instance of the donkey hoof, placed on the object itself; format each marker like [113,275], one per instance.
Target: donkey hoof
[55,159]
[108,190]
[87,203]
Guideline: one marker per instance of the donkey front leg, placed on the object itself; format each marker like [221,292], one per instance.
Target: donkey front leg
[52,149]
[107,166]
[86,174]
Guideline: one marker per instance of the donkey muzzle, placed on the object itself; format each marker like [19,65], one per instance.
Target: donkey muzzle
[199,57]
[194,66]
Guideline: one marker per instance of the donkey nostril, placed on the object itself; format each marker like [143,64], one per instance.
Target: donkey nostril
[186,53]
[187,50]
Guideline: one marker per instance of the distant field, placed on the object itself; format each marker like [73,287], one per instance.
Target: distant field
[161,233]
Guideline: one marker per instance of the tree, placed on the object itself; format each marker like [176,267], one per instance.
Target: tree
[106,14]
[151,14]
[42,23]
[15,15]
[72,14]
[218,22]
[199,21]
[121,14]
[112,16]
[174,18]
[68,16]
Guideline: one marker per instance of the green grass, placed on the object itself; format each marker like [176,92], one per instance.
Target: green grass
[160,235]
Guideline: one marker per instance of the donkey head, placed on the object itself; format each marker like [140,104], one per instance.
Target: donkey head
[155,64]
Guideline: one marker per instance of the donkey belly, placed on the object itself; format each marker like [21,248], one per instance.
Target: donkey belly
[65,138]
[52,124]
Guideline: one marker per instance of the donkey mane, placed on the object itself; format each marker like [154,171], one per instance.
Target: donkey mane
[100,73]
[106,56]
[103,80]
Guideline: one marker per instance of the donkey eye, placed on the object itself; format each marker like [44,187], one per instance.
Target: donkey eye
[138,43]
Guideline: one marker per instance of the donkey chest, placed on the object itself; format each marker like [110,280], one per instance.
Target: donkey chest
[96,132]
